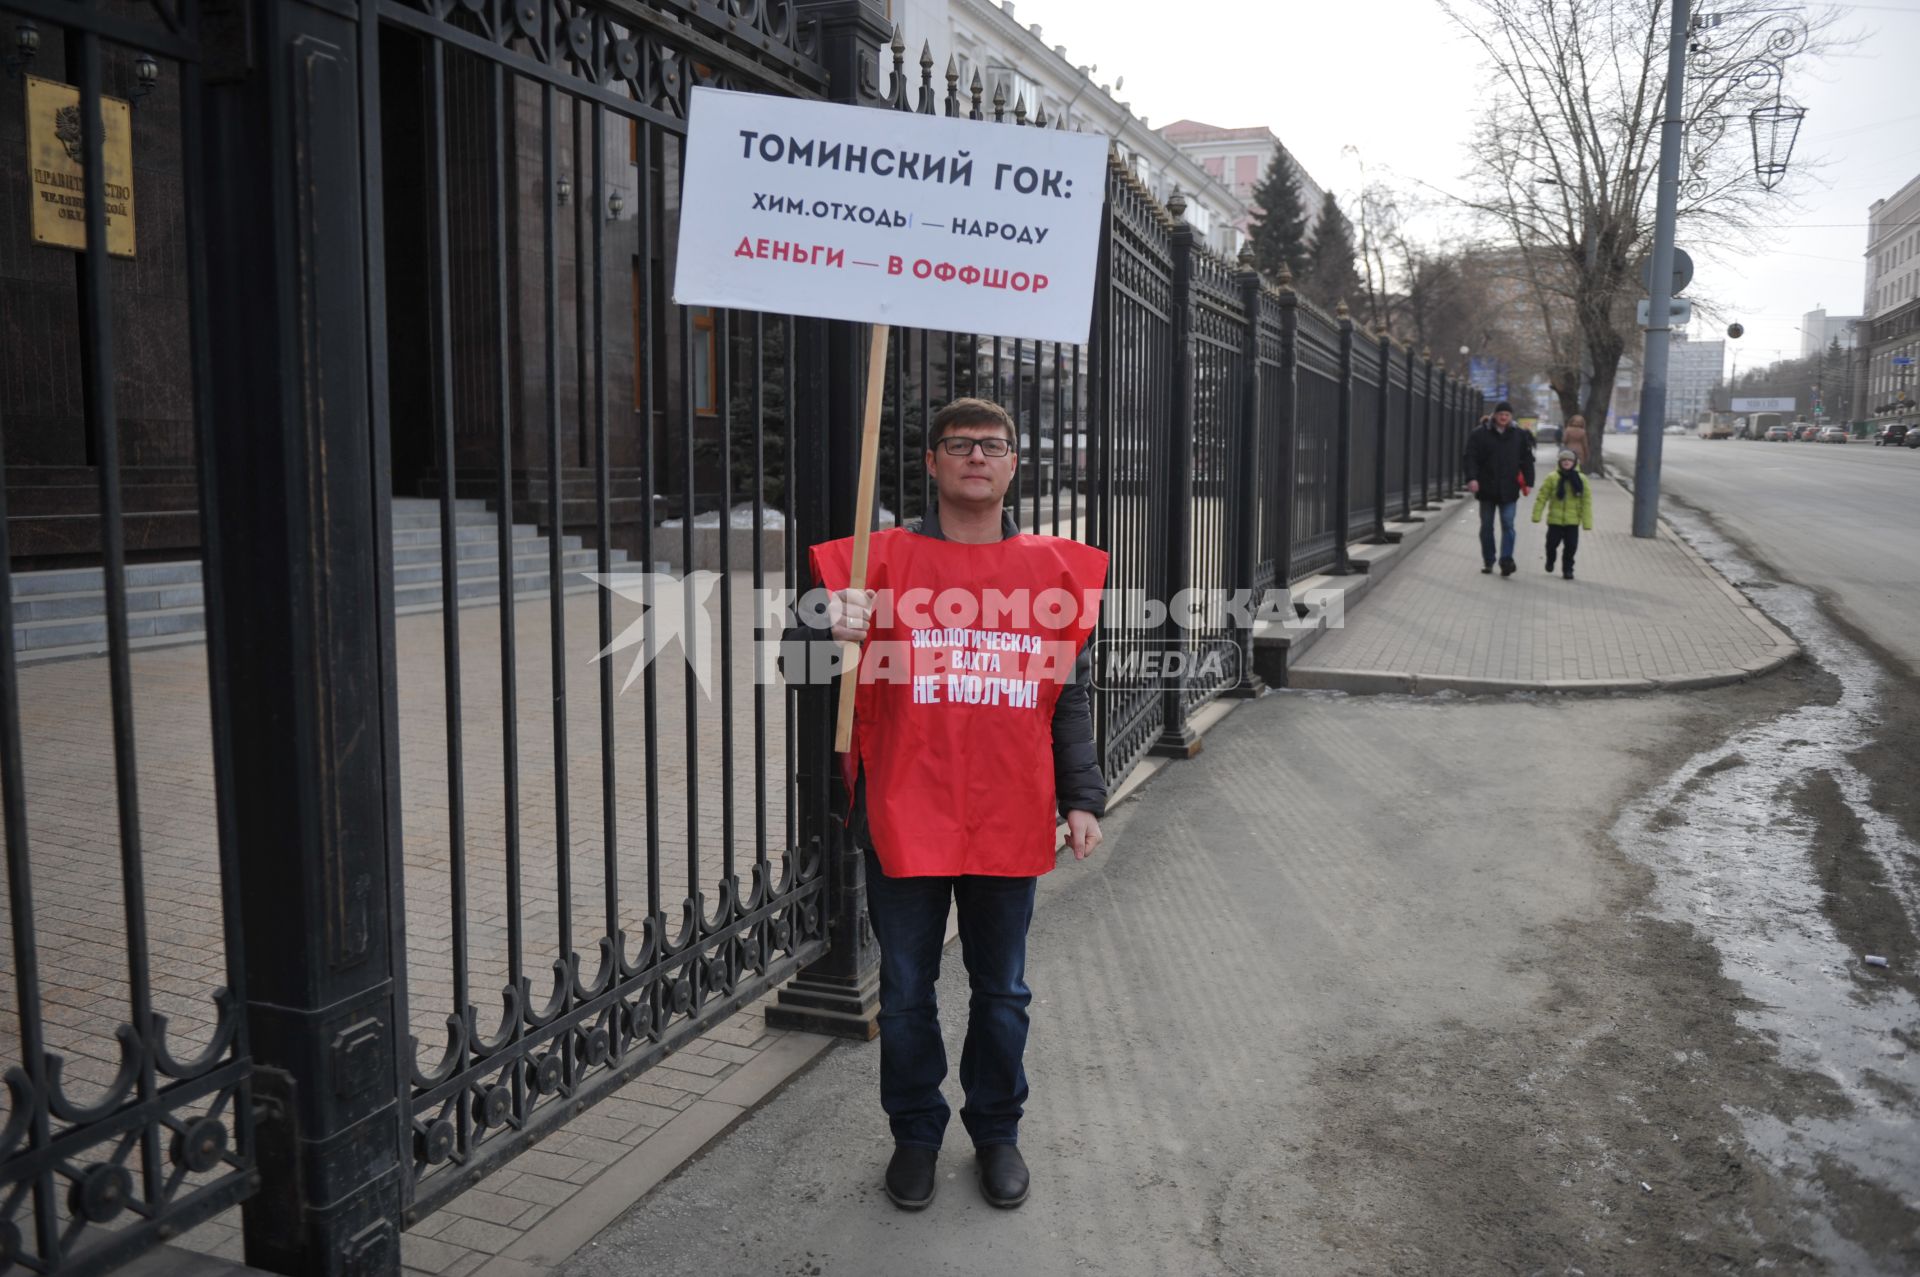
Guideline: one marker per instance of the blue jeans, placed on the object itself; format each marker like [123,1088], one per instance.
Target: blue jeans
[1486,529]
[910,921]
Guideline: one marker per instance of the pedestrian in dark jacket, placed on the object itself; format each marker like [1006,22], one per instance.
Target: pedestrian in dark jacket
[1499,467]
[971,459]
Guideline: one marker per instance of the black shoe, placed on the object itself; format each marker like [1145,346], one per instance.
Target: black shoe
[1003,1175]
[910,1177]
[1507,567]
[1487,570]
[1549,563]
[1568,574]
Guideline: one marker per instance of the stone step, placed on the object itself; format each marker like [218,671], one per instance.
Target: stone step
[413,549]
[61,613]
[67,640]
[431,505]
[66,632]
[581,510]
[474,569]
[85,603]
[74,580]
[473,530]
[474,591]
[428,519]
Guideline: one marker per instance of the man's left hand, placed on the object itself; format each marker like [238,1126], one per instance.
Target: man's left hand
[1083,833]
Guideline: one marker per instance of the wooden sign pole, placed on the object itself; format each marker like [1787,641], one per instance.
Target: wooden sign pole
[862,525]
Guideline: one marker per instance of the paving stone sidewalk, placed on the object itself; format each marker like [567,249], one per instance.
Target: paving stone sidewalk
[561,1189]
[1641,614]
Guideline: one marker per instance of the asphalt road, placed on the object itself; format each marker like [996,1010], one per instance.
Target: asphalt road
[1843,520]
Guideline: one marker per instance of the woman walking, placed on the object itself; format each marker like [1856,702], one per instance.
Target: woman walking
[1575,438]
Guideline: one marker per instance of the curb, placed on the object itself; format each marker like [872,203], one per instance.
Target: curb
[1373,682]
[1277,647]
[620,1187]
[1785,646]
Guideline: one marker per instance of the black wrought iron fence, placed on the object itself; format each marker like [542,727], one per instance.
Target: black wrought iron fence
[1218,326]
[1317,431]
[1363,495]
[605,875]
[1275,325]
[448,422]
[129,1113]
[1402,396]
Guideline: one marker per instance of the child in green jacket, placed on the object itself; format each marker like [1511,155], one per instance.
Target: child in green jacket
[1567,500]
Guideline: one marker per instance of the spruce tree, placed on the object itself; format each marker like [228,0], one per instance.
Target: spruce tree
[1280,231]
[1331,276]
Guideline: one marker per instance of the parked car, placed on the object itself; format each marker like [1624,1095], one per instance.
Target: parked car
[1805,430]
[1913,437]
[1892,436]
[1545,433]
[1833,434]
[1778,434]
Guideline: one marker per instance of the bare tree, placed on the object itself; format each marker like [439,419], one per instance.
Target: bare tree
[1566,154]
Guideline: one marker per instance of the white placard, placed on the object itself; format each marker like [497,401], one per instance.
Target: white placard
[882,216]
[1763,405]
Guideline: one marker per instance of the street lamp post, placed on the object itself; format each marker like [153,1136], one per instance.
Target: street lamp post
[1756,57]
[1653,385]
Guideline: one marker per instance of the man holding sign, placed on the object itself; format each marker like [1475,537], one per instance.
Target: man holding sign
[973,726]
[970,726]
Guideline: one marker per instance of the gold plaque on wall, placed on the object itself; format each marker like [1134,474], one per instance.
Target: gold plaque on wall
[59,174]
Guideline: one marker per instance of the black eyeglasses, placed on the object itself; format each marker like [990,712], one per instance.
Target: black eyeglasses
[961,445]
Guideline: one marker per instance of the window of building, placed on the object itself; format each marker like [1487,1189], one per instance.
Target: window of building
[1246,169]
[1018,88]
[1215,165]
[706,371]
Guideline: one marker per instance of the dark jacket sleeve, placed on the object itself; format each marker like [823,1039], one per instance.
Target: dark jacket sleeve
[806,654]
[1472,461]
[1526,457]
[1077,780]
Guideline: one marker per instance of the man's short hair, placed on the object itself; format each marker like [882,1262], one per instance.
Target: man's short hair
[969,412]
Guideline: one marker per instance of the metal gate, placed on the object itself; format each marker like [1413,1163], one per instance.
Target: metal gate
[590,877]
[129,1104]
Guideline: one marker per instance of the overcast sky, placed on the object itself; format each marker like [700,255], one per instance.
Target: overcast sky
[1395,79]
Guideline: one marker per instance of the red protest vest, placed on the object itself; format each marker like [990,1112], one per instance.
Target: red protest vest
[953,722]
